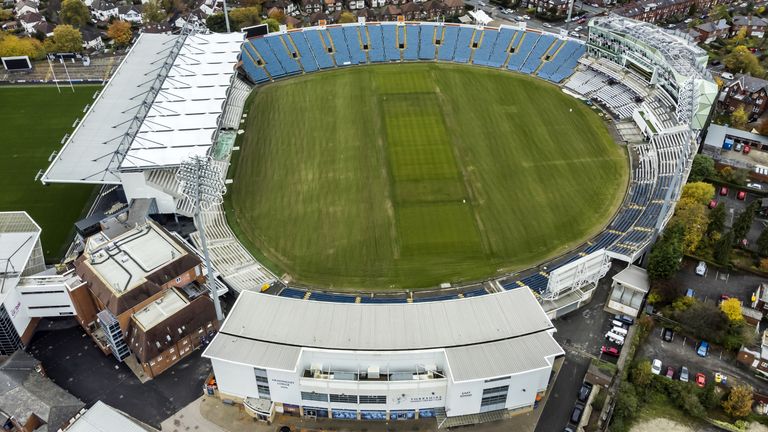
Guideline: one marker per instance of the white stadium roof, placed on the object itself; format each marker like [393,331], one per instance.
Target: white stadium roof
[483,336]
[182,112]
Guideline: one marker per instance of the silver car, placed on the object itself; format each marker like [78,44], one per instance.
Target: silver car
[684,374]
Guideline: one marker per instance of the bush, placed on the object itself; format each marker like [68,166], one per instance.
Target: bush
[739,402]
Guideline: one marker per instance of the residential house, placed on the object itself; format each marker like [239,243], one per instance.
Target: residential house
[755,26]
[453,7]
[367,13]
[557,7]
[709,31]
[285,6]
[92,39]
[311,6]
[662,10]
[205,7]
[102,417]
[130,13]
[355,4]
[318,16]
[432,9]
[376,3]
[45,28]
[103,10]
[25,6]
[746,91]
[390,13]
[332,6]
[411,11]
[756,358]
[29,20]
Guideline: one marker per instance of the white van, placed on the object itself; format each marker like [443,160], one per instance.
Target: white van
[613,337]
[617,323]
[619,331]
[727,75]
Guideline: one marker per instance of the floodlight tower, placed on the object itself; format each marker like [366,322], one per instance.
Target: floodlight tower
[201,182]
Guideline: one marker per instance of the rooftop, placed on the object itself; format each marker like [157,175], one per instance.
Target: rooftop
[160,309]
[124,262]
[635,277]
[19,236]
[102,418]
[716,134]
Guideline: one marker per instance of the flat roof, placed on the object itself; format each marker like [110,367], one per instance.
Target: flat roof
[102,418]
[634,276]
[716,134]
[404,326]
[123,262]
[19,234]
[160,309]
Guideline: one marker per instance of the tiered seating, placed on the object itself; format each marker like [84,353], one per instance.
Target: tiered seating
[340,50]
[391,51]
[522,50]
[501,47]
[366,299]
[475,293]
[537,53]
[551,66]
[318,48]
[290,65]
[352,35]
[376,43]
[255,73]
[273,66]
[435,298]
[236,102]
[448,45]
[411,42]
[329,297]
[306,57]
[292,293]
[463,42]
[427,42]
[567,68]
[483,51]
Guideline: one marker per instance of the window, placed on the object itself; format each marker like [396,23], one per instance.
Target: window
[368,399]
[263,391]
[178,280]
[261,379]
[494,390]
[342,398]
[494,400]
[322,397]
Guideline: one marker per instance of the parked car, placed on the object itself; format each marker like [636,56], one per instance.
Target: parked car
[703,349]
[684,374]
[656,367]
[723,297]
[757,186]
[668,334]
[747,149]
[701,268]
[526,17]
[611,351]
[547,25]
[584,391]
[741,195]
[720,378]
[670,372]
[690,292]
[727,75]
[712,203]
[578,410]
[574,34]
[723,190]
[581,21]
[701,380]
[626,319]
[578,28]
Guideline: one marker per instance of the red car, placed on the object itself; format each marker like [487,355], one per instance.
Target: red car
[741,195]
[701,380]
[746,149]
[724,191]
[712,204]
[611,351]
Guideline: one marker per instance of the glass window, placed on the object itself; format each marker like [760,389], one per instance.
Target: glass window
[322,397]
[343,398]
[368,399]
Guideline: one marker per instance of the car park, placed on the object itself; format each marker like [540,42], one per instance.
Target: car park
[701,380]
[724,191]
[741,195]
[611,351]
[670,372]
[701,268]
[684,374]
[656,367]
[668,334]
[585,391]
[578,410]
[702,350]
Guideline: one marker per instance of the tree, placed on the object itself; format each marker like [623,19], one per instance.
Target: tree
[739,118]
[699,192]
[720,12]
[347,17]
[739,401]
[153,13]
[704,320]
[66,39]
[703,167]
[120,33]
[743,221]
[737,176]
[762,243]
[692,215]
[723,247]
[74,12]
[272,24]
[11,45]
[641,373]
[6,14]
[742,60]
[732,309]
[666,254]
[216,23]
[717,219]
[626,401]
[244,17]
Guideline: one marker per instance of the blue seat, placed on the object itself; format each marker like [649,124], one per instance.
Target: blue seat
[534,58]
[551,66]
[475,293]
[318,49]
[292,293]
[448,44]
[427,42]
[352,34]
[436,298]
[569,65]
[340,50]
[411,42]
[463,50]
[306,57]
[271,63]
[382,300]
[336,298]
[376,43]
[522,49]
[536,282]
[483,51]
[255,73]
[391,52]
[285,58]
[501,47]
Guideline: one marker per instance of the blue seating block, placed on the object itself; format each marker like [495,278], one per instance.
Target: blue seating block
[306,57]
[391,52]
[376,43]
[534,58]
[318,49]
[352,34]
[463,50]
[448,44]
[285,58]
[271,63]
[427,42]
[255,73]
[522,49]
[411,42]
[501,47]
[340,50]
[483,51]
[292,293]
[336,298]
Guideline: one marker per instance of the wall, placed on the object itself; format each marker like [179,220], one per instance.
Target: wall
[135,186]
[465,397]
[18,313]
[42,300]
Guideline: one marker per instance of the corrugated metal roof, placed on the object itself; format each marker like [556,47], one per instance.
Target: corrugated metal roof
[634,276]
[716,135]
[250,352]
[502,358]
[103,418]
[407,326]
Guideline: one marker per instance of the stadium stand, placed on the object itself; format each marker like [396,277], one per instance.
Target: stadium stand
[427,42]
[411,51]
[483,52]
[390,43]
[318,48]
[448,43]
[463,45]
[306,57]
[522,50]
[376,47]
[352,36]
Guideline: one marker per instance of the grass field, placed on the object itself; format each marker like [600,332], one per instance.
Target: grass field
[34,121]
[412,175]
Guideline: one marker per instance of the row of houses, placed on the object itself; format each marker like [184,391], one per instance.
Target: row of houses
[721,29]
[330,10]
[654,11]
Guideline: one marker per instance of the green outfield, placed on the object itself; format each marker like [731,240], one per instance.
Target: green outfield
[34,121]
[410,175]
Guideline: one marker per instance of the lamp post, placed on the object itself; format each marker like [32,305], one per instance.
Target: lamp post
[201,182]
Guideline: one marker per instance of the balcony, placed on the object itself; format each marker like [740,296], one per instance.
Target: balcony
[373,377]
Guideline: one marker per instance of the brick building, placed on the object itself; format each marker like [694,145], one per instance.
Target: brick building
[662,10]
[747,91]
